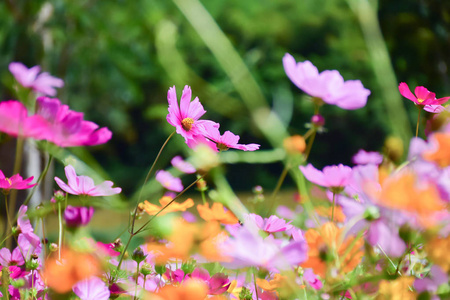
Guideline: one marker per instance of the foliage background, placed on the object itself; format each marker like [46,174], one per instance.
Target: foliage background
[118,58]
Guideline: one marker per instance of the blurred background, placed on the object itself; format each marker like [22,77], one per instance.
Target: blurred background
[118,58]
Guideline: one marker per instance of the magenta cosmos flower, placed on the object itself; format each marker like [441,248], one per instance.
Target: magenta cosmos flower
[327,85]
[14,121]
[66,128]
[168,181]
[333,177]
[227,140]
[84,185]
[15,182]
[185,117]
[422,96]
[76,216]
[43,83]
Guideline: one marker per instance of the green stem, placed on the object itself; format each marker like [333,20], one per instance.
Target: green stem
[8,219]
[41,177]
[418,120]
[310,143]
[254,282]
[332,209]
[309,132]
[278,187]
[137,276]
[124,251]
[60,230]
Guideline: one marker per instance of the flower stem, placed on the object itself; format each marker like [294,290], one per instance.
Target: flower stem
[278,187]
[41,177]
[332,209]
[310,143]
[254,282]
[418,121]
[60,230]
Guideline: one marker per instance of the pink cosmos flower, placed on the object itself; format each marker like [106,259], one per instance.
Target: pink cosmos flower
[331,177]
[217,284]
[422,96]
[15,182]
[182,165]
[366,158]
[43,83]
[328,85]
[168,181]
[107,249]
[25,227]
[66,128]
[84,185]
[227,140]
[271,224]
[185,117]
[91,289]
[14,120]
[8,258]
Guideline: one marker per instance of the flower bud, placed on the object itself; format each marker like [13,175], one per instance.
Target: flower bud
[371,213]
[318,120]
[202,186]
[53,247]
[138,255]
[78,216]
[160,269]
[58,196]
[146,269]
[189,266]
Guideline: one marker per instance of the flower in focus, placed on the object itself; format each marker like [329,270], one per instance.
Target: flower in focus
[66,128]
[84,185]
[325,241]
[182,165]
[168,181]
[91,289]
[61,275]
[153,209]
[366,158]
[185,117]
[43,83]
[217,212]
[328,85]
[14,120]
[227,140]
[422,97]
[78,216]
[333,177]
[15,182]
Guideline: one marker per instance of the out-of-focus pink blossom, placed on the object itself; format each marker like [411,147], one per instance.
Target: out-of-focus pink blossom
[14,120]
[43,83]
[327,85]
[367,158]
[91,289]
[312,279]
[78,216]
[66,128]
[227,140]
[15,182]
[185,117]
[217,284]
[8,259]
[168,181]
[422,96]
[108,249]
[331,177]
[84,185]
[271,224]
[182,165]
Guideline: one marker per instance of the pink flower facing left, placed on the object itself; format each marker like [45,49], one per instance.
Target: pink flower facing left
[14,121]
[333,177]
[423,97]
[168,181]
[227,140]
[15,182]
[66,128]
[327,85]
[185,117]
[84,185]
[43,83]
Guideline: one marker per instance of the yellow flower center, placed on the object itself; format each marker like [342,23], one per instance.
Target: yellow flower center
[9,181]
[420,100]
[187,123]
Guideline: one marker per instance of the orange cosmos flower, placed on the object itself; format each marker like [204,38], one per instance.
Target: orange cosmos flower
[437,250]
[327,240]
[294,144]
[153,209]
[440,156]
[61,275]
[277,282]
[328,211]
[190,290]
[398,289]
[401,192]
[216,213]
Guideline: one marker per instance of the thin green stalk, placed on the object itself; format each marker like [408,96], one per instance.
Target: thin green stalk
[418,121]
[8,218]
[278,186]
[254,282]
[137,276]
[124,251]
[41,177]
[60,230]
[310,143]
[332,209]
